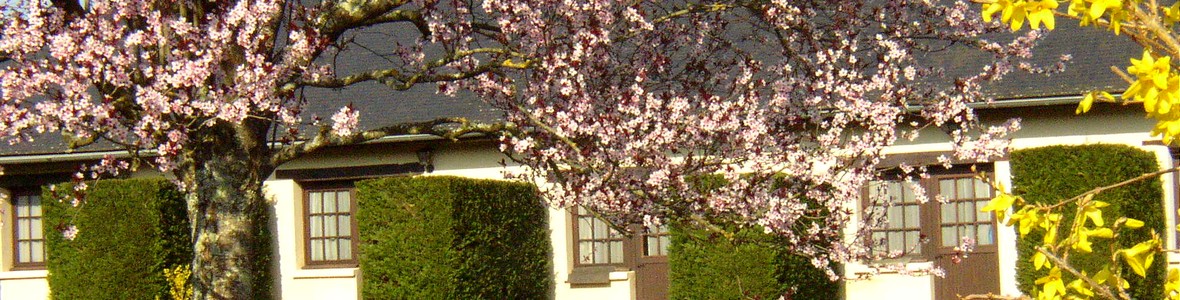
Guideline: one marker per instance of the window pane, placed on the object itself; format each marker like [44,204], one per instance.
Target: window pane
[329,202]
[344,201]
[35,230]
[331,249]
[22,229]
[968,231]
[879,239]
[894,192]
[948,212]
[345,225]
[38,251]
[22,207]
[911,240]
[949,235]
[966,211]
[600,252]
[585,228]
[982,190]
[600,231]
[35,206]
[908,192]
[911,216]
[317,227]
[317,250]
[22,251]
[664,241]
[585,252]
[896,241]
[652,243]
[330,226]
[982,216]
[946,188]
[317,201]
[966,188]
[616,252]
[985,235]
[345,248]
[895,217]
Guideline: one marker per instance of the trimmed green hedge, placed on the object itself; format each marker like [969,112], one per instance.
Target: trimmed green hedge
[436,237]
[751,266]
[1049,174]
[129,232]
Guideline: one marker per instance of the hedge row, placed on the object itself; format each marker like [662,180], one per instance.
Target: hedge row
[129,232]
[753,265]
[452,238]
[1049,174]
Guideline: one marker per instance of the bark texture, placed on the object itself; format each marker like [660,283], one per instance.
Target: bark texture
[228,211]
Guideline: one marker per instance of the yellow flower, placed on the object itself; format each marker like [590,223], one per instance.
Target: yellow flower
[1041,12]
[1133,223]
[1040,260]
[1051,285]
[1093,211]
[1000,204]
[1099,7]
[1140,256]
[1083,244]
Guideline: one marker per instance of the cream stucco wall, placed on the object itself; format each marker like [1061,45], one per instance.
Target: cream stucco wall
[1040,127]
[481,160]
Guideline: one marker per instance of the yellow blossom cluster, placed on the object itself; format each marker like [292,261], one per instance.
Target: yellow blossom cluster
[1088,224]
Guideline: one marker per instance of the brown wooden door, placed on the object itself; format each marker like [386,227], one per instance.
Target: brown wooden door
[959,217]
[651,264]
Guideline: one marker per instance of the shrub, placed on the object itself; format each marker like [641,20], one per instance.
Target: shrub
[129,232]
[436,237]
[1050,174]
[753,265]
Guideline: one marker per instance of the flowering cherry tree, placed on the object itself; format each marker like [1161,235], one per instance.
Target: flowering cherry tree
[620,106]
[628,105]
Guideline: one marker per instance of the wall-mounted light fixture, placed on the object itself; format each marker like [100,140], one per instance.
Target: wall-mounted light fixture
[426,158]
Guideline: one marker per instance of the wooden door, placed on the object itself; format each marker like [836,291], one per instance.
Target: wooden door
[651,268]
[957,218]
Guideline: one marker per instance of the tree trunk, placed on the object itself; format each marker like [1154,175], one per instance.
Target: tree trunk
[229,213]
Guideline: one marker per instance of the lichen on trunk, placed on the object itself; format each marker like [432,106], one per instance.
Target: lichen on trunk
[229,214]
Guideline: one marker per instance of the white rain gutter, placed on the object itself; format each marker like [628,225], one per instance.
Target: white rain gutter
[60,157]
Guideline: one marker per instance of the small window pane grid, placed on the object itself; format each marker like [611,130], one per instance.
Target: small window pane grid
[597,243]
[901,232]
[960,215]
[655,241]
[30,240]
[330,228]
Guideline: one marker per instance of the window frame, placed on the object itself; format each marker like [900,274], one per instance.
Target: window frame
[929,213]
[305,218]
[14,194]
[577,241]
[634,246]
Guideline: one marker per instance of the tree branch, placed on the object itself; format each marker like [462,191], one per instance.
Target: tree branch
[341,16]
[448,128]
[400,81]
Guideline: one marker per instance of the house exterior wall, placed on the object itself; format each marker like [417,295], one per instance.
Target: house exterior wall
[1041,127]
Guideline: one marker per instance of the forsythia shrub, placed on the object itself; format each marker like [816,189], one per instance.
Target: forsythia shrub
[436,237]
[129,232]
[179,286]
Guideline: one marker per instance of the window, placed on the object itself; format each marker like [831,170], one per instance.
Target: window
[902,230]
[330,233]
[597,243]
[907,223]
[29,244]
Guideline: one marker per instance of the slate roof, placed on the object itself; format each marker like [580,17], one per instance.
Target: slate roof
[1094,51]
